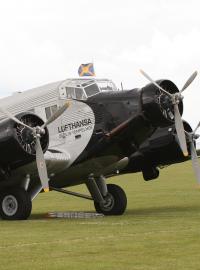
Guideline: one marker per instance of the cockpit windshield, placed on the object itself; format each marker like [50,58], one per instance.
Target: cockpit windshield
[81,89]
[91,89]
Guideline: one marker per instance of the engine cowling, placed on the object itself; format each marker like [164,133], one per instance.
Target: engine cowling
[161,149]
[17,144]
[157,105]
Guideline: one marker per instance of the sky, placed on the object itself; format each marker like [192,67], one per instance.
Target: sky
[46,40]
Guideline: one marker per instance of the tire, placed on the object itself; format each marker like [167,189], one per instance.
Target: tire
[15,204]
[116,201]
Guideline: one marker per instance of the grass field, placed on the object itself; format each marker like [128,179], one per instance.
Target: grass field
[160,229]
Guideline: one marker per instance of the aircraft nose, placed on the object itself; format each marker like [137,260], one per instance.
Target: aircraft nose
[157,105]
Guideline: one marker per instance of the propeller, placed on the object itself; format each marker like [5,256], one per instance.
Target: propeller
[176,98]
[56,114]
[37,132]
[192,136]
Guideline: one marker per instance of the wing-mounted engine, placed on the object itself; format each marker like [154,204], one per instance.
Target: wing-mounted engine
[23,139]
[161,149]
[17,142]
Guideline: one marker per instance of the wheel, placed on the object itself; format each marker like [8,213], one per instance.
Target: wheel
[116,201]
[15,204]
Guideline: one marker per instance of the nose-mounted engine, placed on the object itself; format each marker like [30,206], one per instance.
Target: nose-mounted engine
[17,142]
[162,104]
[158,105]
[170,101]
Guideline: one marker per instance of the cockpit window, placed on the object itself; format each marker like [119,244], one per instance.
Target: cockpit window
[70,92]
[84,84]
[81,89]
[107,86]
[91,89]
[79,93]
[104,86]
[76,93]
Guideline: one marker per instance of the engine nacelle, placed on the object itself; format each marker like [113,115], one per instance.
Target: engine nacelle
[161,149]
[157,105]
[17,144]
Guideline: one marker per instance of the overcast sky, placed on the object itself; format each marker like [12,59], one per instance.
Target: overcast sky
[46,40]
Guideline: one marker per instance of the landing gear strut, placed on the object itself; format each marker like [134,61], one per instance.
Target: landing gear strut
[108,199]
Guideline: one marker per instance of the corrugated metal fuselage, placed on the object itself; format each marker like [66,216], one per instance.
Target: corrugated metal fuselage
[88,137]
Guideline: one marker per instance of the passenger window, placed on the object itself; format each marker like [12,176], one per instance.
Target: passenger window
[50,111]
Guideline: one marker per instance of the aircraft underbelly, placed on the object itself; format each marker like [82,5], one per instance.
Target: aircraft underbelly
[79,173]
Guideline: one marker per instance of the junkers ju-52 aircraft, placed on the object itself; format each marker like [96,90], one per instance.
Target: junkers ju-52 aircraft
[84,130]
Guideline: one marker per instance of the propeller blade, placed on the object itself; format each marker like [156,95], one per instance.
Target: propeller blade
[196,128]
[189,81]
[41,165]
[152,81]
[180,130]
[9,115]
[57,114]
[195,162]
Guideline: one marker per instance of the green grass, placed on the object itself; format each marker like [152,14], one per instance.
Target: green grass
[160,229]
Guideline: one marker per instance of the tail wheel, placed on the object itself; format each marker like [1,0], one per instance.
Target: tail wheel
[115,201]
[15,204]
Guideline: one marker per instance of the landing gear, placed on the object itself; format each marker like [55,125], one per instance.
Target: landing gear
[15,204]
[115,201]
[108,199]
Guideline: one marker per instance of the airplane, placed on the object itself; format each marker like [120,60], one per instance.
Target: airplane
[81,131]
